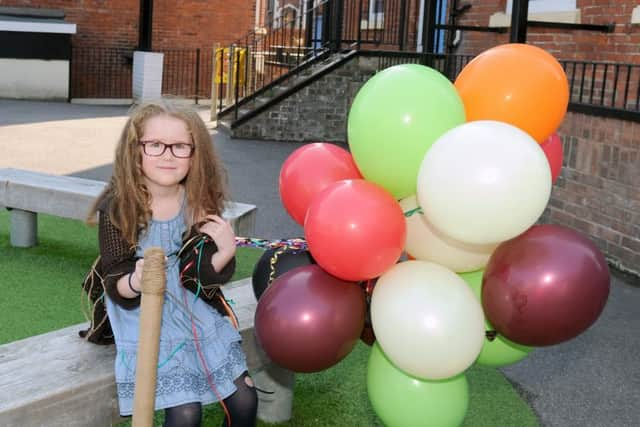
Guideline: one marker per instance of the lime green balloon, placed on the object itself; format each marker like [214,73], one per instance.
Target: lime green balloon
[394,119]
[401,400]
[497,351]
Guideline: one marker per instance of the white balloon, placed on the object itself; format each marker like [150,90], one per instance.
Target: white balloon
[425,242]
[427,320]
[484,182]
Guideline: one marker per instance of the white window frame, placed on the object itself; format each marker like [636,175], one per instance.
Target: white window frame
[546,6]
[376,20]
[541,10]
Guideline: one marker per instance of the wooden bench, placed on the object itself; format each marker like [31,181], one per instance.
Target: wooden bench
[59,379]
[27,193]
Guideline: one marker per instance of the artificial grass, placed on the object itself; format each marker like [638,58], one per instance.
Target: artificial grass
[40,292]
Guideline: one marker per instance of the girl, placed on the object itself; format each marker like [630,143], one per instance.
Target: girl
[167,190]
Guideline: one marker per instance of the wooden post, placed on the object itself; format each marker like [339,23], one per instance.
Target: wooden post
[153,287]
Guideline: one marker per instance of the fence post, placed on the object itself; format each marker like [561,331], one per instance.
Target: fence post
[236,80]
[229,94]
[428,31]
[338,14]
[197,73]
[359,23]
[309,22]
[519,13]
[401,27]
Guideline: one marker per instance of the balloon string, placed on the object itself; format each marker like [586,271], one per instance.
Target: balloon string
[417,210]
[491,335]
[272,264]
[294,244]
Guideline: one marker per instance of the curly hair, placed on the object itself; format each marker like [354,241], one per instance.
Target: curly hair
[129,199]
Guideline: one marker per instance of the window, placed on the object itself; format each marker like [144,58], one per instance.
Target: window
[376,13]
[541,10]
[544,6]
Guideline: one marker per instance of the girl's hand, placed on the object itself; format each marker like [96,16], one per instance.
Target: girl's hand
[221,232]
[136,278]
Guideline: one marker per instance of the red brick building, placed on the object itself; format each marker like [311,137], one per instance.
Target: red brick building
[108,31]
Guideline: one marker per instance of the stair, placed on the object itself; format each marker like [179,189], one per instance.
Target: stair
[292,82]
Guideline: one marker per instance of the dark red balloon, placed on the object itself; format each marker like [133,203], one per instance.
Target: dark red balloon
[309,320]
[552,148]
[309,170]
[368,336]
[545,286]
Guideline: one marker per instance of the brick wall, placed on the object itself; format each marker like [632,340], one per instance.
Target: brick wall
[598,192]
[187,24]
[183,24]
[623,45]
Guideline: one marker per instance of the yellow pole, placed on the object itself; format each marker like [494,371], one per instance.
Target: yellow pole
[153,287]
[214,85]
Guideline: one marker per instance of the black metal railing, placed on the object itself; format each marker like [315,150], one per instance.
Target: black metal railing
[101,72]
[187,73]
[604,88]
[262,56]
[107,73]
[448,65]
[294,36]
[599,88]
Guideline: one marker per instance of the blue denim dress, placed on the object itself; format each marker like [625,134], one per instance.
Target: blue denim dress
[194,339]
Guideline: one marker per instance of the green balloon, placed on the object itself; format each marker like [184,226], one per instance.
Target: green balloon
[401,400]
[394,119]
[496,351]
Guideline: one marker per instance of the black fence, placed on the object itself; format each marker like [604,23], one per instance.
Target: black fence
[604,88]
[599,88]
[107,73]
[101,72]
[187,73]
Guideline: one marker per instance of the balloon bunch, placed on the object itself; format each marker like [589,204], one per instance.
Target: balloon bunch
[455,175]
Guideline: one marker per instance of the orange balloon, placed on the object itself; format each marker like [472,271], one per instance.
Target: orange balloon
[519,84]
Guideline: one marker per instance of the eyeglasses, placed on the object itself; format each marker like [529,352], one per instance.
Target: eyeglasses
[181,150]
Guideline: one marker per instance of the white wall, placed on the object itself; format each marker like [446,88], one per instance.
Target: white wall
[34,79]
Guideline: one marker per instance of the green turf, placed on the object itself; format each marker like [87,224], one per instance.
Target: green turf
[40,292]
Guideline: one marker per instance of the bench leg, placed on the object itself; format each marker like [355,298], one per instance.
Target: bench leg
[274,407]
[23,229]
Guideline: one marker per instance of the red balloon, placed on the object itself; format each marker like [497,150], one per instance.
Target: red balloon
[355,230]
[546,286]
[552,148]
[308,320]
[309,170]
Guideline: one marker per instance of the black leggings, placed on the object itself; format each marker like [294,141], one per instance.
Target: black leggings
[242,406]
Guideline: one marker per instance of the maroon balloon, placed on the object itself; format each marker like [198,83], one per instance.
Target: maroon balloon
[368,336]
[545,286]
[309,320]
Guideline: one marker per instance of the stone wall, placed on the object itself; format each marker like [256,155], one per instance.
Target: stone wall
[318,112]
